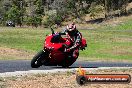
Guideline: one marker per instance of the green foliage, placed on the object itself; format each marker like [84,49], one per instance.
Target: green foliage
[39,7]
[113,5]
[16,11]
[71,4]
[13,13]
[33,21]
[53,17]
[36,20]
[34,10]
[95,10]
[28,21]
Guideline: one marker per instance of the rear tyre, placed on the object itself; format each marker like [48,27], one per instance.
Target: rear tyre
[65,65]
[68,62]
[37,59]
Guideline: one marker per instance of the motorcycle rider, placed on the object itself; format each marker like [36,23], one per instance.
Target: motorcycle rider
[75,37]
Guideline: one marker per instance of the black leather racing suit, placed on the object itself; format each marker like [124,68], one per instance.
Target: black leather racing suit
[76,39]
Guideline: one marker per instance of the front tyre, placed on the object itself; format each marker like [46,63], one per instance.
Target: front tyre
[37,59]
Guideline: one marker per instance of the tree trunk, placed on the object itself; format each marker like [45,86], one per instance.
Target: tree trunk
[123,7]
[107,8]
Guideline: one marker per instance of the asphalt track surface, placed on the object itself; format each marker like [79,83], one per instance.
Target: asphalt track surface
[24,65]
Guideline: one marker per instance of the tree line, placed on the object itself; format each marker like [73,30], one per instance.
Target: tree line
[50,12]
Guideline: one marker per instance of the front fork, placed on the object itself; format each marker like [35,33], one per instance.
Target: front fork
[46,56]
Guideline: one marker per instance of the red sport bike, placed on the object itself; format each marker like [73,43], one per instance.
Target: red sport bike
[53,52]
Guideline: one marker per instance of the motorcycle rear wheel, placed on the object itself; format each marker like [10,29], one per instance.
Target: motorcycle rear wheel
[68,62]
[37,59]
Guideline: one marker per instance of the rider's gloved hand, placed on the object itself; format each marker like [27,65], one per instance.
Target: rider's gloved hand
[67,50]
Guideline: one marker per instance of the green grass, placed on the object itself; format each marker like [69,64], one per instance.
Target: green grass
[106,42]
[21,38]
[110,42]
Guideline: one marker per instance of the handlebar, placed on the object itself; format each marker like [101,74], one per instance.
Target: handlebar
[52,30]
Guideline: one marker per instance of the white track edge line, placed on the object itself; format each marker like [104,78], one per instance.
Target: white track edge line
[23,73]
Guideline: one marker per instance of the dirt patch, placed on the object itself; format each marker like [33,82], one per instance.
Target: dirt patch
[64,80]
[118,50]
[11,53]
[123,40]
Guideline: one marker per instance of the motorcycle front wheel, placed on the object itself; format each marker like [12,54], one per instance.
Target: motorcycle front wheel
[37,59]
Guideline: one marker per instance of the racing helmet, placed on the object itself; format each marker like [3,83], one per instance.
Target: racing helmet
[71,29]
